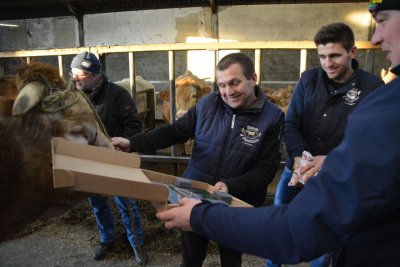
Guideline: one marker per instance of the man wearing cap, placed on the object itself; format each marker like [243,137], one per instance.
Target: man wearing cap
[351,207]
[117,111]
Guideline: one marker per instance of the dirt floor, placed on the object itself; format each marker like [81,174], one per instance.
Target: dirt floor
[67,236]
[68,239]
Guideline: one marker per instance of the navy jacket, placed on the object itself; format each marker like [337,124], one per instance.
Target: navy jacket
[351,207]
[240,148]
[318,112]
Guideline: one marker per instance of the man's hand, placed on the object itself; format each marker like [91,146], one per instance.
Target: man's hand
[178,217]
[121,144]
[312,168]
[296,163]
[220,187]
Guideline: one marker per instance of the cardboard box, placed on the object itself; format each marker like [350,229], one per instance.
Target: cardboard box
[109,172]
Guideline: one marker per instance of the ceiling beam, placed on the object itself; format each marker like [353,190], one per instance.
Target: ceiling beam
[214,6]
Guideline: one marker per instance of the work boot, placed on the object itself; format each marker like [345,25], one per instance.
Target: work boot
[141,259]
[101,251]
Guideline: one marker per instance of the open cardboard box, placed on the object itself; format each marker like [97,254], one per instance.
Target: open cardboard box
[109,172]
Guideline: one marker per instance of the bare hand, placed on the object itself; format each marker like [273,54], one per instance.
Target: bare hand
[220,187]
[296,163]
[179,217]
[121,144]
[312,168]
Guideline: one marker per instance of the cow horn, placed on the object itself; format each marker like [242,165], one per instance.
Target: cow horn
[28,97]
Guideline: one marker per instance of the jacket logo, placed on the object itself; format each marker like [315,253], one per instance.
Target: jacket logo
[250,135]
[352,96]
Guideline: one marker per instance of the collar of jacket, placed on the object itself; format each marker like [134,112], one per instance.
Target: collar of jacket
[353,82]
[396,70]
[101,87]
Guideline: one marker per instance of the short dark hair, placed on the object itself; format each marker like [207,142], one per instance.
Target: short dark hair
[335,33]
[237,58]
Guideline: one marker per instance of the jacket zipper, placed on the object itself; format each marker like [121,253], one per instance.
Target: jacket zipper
[227,138]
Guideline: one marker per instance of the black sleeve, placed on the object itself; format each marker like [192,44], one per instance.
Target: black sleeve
[167,135]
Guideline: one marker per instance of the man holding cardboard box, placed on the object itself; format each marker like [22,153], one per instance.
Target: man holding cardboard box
[237,145]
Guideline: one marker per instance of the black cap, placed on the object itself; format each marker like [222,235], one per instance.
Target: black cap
[86,61]
[379,5]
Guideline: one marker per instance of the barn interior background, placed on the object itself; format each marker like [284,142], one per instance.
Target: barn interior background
[54,31]
[154,38]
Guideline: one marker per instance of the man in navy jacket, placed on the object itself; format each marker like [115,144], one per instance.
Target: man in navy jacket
[322,101]
[237,134]
[351,207]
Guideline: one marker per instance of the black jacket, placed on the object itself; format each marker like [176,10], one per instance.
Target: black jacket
[317,114]
[116,108]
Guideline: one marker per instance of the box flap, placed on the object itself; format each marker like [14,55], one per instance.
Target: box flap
[102,154]
[104,171]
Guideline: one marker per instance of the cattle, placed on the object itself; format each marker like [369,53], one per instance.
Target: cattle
[280,96]
[44,107]
[188,90]
[142,103]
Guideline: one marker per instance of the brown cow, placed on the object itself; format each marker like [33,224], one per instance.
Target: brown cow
[45,107]
[188,90]
[281,96]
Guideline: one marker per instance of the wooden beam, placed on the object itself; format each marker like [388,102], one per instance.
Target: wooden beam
[214,6]
[292,45]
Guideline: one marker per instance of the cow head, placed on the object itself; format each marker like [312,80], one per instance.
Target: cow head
[188,90]
[43,93]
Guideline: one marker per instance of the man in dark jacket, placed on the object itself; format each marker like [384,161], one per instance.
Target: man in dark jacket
[117,111]
[321,103]
[237,135]
[351,207]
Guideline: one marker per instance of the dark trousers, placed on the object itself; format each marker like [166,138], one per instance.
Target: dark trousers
[194,251]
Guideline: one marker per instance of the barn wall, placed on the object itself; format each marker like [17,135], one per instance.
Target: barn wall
[290,22]
[237,23]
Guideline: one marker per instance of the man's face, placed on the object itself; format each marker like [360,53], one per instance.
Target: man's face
[236,91]
[387,34]
[336,61]
[84,80]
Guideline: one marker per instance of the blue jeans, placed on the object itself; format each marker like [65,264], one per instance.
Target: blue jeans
[283,195]
[105,219]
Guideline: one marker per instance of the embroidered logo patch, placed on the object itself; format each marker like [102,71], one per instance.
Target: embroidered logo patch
[250,135]
[352,96]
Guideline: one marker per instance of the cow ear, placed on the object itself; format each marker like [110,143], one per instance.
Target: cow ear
[205,90]
[164,94]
